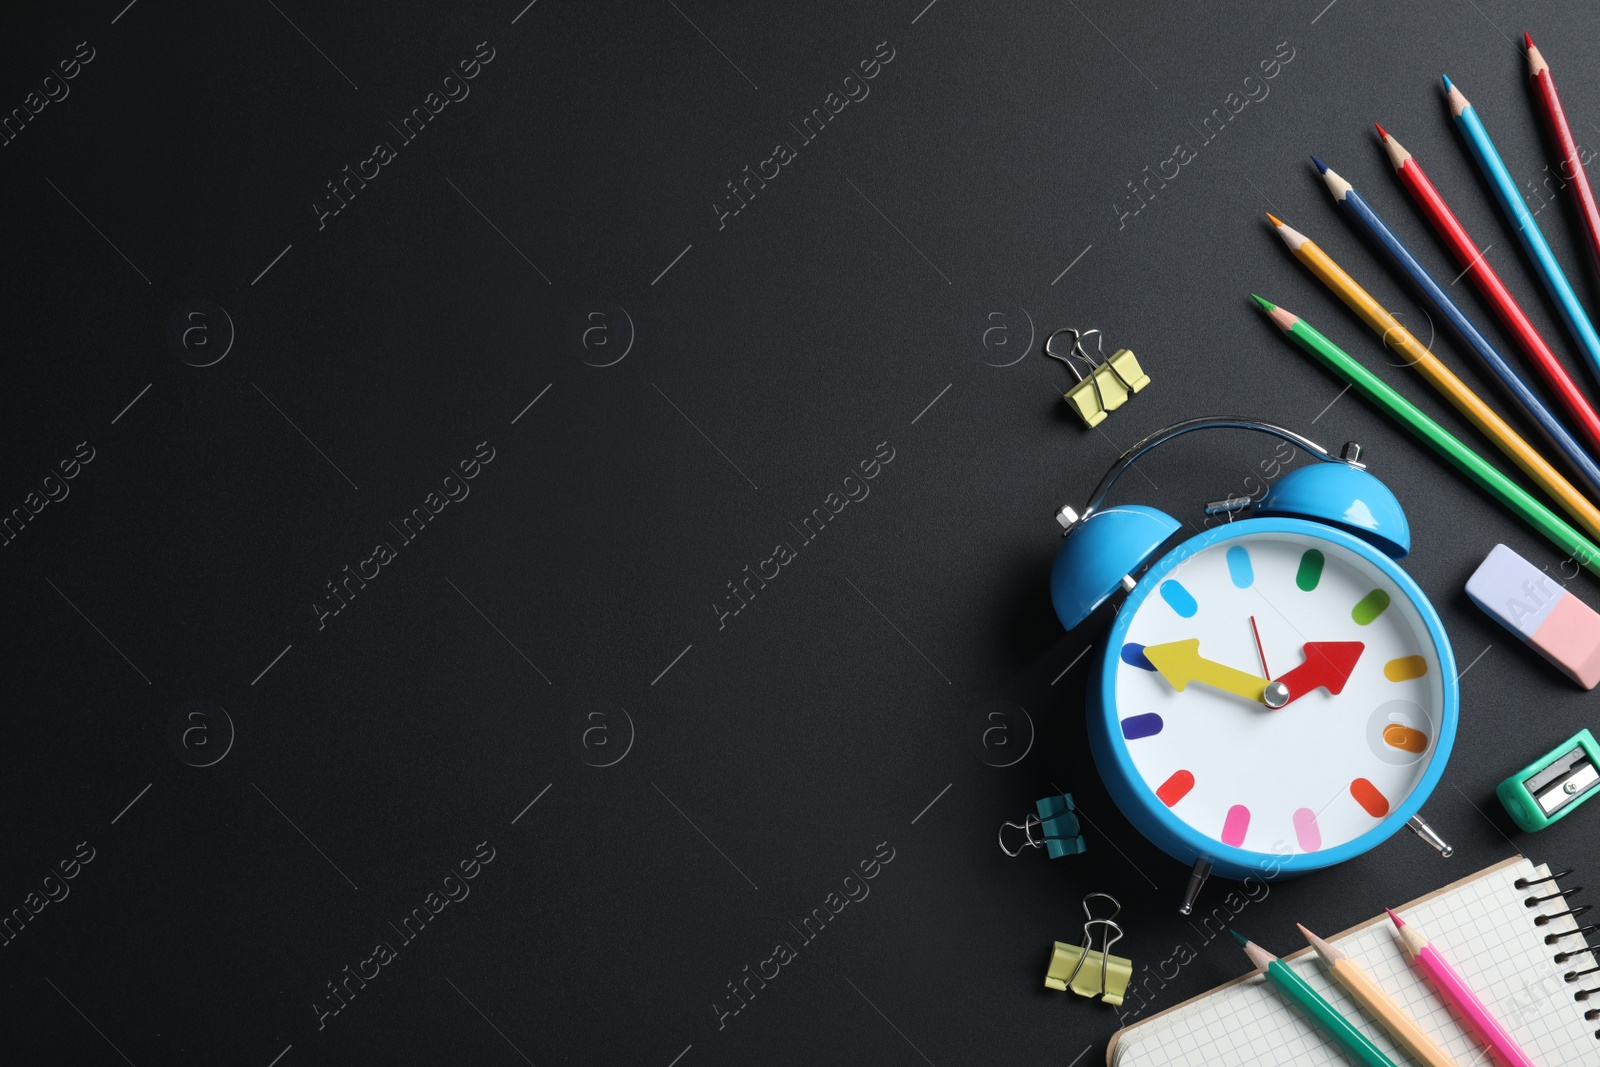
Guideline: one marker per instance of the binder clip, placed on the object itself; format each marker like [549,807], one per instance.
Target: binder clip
[1067,969]
[1054,829]
[1109,382]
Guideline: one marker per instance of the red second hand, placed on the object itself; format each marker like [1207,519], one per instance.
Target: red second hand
[1259,650]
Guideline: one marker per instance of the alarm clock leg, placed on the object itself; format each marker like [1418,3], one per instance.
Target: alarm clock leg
[1419,826]
[1197,882]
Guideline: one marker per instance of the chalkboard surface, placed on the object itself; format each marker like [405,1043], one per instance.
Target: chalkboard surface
[526,528]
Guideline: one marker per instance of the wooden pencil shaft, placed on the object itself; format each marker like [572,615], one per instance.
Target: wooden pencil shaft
[1398,338]
[1357,208]
[1521,503]
[1390,1015]
[1481,147]
[1476,267]
[1325,1016]
[1560,131]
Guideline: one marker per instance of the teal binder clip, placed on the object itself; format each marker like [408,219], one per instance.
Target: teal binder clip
[1054,828]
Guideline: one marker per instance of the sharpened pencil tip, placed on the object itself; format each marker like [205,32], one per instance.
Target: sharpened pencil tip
[1302,929]
[1383,134]
[1322,168]
[1237,936]
[1282,319]
[1527,41]
[1448,84]
[1275,220]
[1399,923]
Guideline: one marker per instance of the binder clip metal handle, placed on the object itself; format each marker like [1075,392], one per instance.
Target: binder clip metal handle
[1110,381]
[1054,828]
[1027,826]
[1115,971]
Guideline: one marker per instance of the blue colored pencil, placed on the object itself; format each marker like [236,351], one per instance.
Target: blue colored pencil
[1533,243]
[1554,432]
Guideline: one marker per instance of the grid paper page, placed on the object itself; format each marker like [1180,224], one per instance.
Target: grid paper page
[1486,931]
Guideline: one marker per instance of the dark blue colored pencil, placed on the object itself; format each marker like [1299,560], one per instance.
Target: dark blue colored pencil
[1554,432]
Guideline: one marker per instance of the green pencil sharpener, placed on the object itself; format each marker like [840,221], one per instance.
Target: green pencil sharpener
[1549,788]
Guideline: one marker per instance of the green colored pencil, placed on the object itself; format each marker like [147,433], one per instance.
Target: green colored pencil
[1327,1018]
[1516,499]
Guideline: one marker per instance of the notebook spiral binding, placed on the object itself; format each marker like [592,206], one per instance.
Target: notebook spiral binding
[1588,979]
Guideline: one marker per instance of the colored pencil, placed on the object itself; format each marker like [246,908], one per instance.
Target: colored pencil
[1483,152]
[1296,991]
[1459,995]
[1555,122]
[1401,1026]
[1517,500]
[1398,338]
[1475,265]
[1355,207]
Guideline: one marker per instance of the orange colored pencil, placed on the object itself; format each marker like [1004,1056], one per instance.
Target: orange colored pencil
[1443,380]
[1390,1015]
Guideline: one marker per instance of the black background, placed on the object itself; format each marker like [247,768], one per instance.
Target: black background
[904,257]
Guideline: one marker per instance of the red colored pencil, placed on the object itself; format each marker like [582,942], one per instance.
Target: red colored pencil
[1494,291]
[1555,121]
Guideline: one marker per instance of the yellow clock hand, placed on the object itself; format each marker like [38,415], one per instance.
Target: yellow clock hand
[1180,663]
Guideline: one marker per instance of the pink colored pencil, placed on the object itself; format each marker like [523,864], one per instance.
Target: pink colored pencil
[1459,996]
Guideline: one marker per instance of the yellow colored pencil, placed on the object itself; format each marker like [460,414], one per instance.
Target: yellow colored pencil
[1453,389]
[1391,1016]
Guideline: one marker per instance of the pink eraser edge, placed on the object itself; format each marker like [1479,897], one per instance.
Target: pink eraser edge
[1569,638]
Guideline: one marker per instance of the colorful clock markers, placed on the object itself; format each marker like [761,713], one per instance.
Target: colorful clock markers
[1236,825]
[1146,725]
[1370,798]
[1325,1016]
[1405,668]
[1175,788]
[1405,738]
[1369,607]
[1506,194]
[1182,601]
[1310,571]
[1196,788]
[1550,620]
[1390,1015]
[1306,831]
[1455,992]
[1402,411]
[1355,207]
[1239,567]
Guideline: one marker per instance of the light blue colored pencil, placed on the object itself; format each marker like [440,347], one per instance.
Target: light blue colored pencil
[1528,232]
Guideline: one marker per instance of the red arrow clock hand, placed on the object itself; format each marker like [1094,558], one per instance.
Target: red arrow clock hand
[1327,666]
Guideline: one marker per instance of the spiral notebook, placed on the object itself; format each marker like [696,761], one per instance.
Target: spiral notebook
[1505,947]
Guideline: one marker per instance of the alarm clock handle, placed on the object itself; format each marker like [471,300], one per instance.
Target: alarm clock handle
[1067,517]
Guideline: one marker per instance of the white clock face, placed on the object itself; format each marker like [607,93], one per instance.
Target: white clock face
[1193,700]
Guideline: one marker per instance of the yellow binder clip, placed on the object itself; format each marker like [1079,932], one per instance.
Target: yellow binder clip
[1067,969]
[1109,382]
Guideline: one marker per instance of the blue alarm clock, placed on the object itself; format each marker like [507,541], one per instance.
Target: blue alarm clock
[1275,695]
